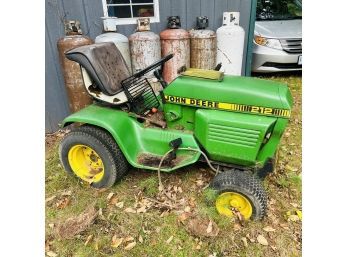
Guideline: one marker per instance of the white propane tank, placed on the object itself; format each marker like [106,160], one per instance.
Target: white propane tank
[230,44]
[121,42]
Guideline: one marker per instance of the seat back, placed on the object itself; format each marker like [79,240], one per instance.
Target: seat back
[103,63]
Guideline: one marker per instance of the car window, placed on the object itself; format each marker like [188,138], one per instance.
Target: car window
[278,9]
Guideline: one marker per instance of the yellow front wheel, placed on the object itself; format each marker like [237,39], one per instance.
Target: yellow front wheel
[239,191]
[91,154]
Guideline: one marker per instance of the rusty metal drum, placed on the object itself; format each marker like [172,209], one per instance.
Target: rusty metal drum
[177,41]
[203,46]
[145,46]
[77,94]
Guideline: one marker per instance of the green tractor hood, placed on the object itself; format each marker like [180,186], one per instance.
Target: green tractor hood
[233,93]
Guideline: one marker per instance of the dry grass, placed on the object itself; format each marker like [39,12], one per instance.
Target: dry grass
[160,233]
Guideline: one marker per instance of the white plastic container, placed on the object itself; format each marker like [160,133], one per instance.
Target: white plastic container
[230,44]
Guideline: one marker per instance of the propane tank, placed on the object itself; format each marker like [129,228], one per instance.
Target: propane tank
[230,44]
[177,41]
[77,94]
[203,45]
[121,41]
[145,46]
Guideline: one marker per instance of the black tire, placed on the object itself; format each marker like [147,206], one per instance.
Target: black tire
[76,137]
[245,184]
[104,136]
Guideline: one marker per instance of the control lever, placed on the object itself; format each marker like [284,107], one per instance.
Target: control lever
[175,144]
[160,79]
[218,67]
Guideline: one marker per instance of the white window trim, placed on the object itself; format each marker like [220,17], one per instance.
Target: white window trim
[111,22]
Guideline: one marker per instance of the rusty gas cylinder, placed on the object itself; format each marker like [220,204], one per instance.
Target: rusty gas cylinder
[77,95]
[145,46]
[203,45]
[177,41]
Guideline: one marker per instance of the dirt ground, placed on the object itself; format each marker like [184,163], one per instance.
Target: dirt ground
[130,219]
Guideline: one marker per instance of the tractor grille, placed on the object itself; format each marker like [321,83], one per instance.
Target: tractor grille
[233,135]
[293,46]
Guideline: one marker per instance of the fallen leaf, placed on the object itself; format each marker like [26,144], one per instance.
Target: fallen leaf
[199,182]
[130,246]
[130,210]
[169,239]
[293,218]
[237,226]
[141,240]
[61,204]
[210,227]
[51,254]
[269,229]
[245,242]
[116,242]
[187,209]
[262,240]
[119,204]
[141,209]
[110,195]
[129,238]
[66,193]
[273,248]
[88,240]
[295,205]
[183,216]
[284,226]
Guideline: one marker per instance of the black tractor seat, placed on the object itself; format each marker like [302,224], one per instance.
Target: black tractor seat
[104,64]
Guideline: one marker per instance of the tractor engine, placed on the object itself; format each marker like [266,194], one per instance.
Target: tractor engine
[236,120]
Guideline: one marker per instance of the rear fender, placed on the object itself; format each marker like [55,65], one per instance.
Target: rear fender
[132,137]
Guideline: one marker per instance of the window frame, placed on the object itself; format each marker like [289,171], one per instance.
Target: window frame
[113,21]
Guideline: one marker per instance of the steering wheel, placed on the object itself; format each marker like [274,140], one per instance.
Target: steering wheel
[154,65]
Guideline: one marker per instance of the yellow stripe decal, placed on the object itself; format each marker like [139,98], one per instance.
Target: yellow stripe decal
[228,106]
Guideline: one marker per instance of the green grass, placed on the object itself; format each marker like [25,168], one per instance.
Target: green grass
[283,186]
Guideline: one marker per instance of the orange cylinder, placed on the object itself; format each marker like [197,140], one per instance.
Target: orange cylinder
[77,94]
[177,41]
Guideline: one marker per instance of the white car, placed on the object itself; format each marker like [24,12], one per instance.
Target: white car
[278,36]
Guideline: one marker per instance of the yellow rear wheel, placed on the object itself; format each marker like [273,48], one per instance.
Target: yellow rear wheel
[86,163]
[92,155]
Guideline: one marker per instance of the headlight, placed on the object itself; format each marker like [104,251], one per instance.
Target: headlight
[269,42]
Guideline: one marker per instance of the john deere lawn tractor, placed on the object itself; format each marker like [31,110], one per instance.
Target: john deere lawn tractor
[232,123]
